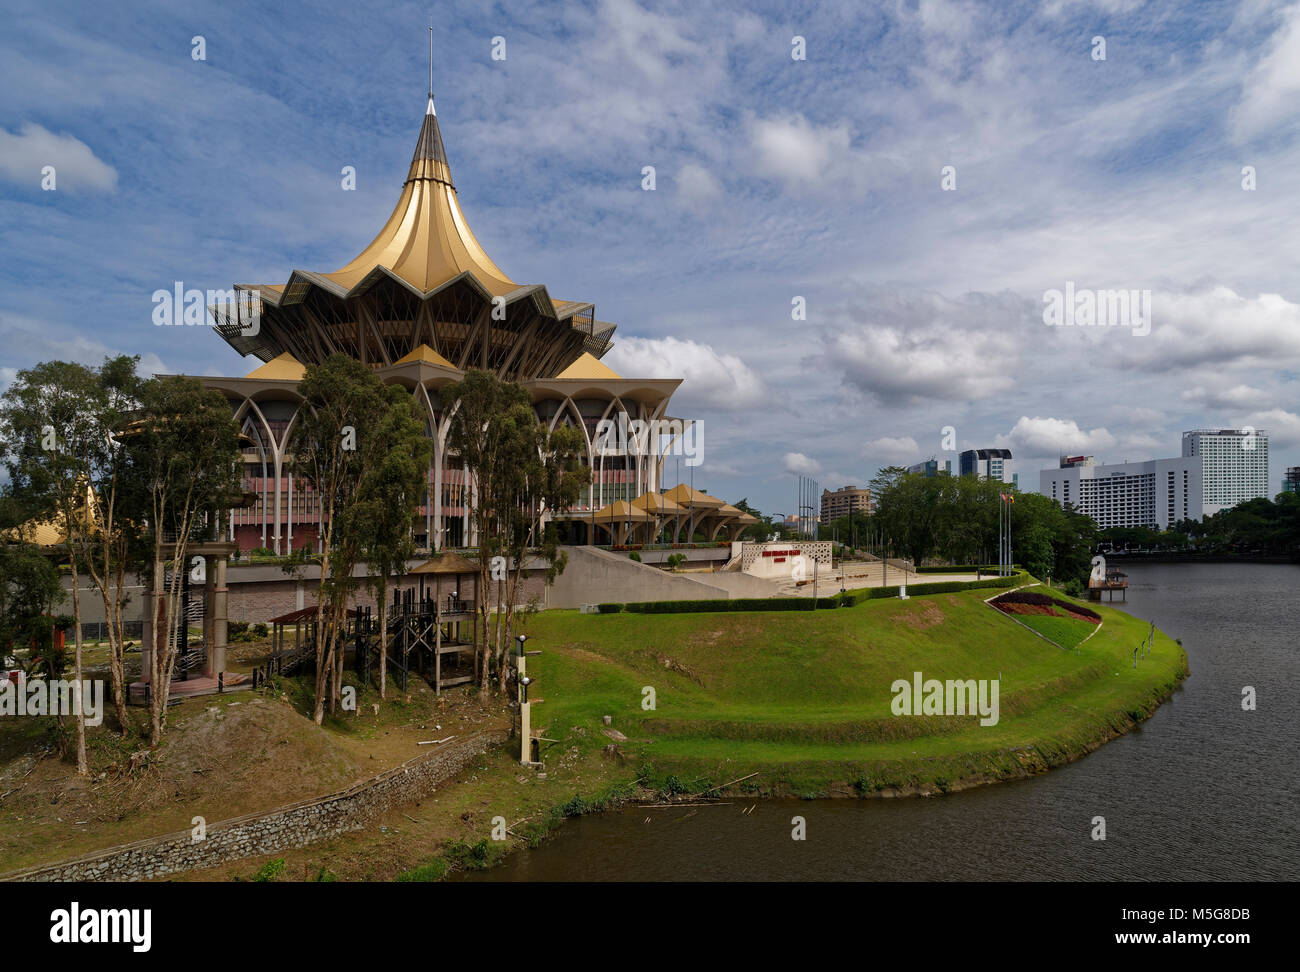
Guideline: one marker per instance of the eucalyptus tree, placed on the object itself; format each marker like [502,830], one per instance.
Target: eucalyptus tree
[183,457]
[485,434]
[393,485]
[342,446]
[543,476]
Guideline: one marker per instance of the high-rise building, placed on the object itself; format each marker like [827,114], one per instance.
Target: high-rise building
[1291,481]
[1155,494]
[1234,465]
[931,467]
[992,464]
[843,501]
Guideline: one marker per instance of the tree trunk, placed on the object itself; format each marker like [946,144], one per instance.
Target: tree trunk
[83,768]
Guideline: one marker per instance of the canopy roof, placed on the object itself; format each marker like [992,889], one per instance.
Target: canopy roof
[621,511]
[658,503]
[693,499]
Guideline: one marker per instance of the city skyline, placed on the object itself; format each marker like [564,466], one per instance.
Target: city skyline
[777,180]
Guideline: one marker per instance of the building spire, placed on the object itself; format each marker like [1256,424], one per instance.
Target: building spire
[429,110]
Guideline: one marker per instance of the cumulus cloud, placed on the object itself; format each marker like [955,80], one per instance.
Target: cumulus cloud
[1238,396]
[713,379]
[1038,437]
[920,347]
[797,462]
[24,155]
[894,449]
[1283,427]
[1210,327]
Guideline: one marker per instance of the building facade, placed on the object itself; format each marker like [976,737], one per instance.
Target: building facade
[844,501]
[1155,494]
[1234,465]
[421,305]
[994,464]
[1291,481]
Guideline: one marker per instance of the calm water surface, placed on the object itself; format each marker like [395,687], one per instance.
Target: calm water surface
[1202,791]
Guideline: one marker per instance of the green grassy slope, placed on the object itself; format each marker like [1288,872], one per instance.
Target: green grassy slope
[804,698]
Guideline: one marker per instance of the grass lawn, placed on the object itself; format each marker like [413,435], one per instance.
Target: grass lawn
[804,699]
[1066,632]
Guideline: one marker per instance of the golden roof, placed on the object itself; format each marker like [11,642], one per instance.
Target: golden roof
[621,511]
[426,240]
[283,367]
[657,503]
[427,355]
[691,498]
[588,368]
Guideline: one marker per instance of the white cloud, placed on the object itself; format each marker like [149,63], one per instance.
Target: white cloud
[721,381]
[1238,396]
[920,347]
[1036,437]
[1269,92]
[797,462]
[894,449]
[696,185]
[25,154]
[1211,328]
[1283,427]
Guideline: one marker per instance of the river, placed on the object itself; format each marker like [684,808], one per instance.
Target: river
[1201,791]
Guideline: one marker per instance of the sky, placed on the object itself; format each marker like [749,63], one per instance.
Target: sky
[843,254]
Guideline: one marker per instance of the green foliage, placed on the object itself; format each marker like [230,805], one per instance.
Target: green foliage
[609,608]
[634,556]
[675,560]
[474,857]
[271,870]
[955,519]
[434,870]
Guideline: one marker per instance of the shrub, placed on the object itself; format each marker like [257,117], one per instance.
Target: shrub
[270,870]
[611,607]
[634,556]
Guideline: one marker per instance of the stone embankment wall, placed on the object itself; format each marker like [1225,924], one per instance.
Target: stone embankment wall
[296,825]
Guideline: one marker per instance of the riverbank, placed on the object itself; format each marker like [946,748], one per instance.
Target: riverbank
[785,703]
[753,704]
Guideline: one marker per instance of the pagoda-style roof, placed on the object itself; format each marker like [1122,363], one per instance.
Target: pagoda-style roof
[445,563]
[423,280]
[427,240]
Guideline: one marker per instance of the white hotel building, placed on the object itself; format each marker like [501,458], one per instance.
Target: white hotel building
[1218,469]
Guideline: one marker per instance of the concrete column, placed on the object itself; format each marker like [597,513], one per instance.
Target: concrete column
[220,605]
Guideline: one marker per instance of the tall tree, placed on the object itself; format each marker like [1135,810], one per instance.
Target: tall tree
[393,486]
[183,451]
[485,436]
[336,440]
[51,435]
[542,474]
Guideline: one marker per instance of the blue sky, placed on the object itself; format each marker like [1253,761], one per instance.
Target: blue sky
[776,179]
